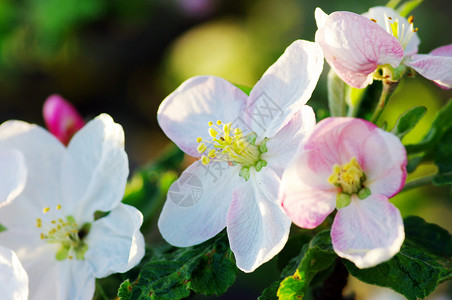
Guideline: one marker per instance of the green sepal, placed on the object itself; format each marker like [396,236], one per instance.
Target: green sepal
[408,120]
[245,173]
[2,228]
[364,193]
[343,200]
[260,164]
[263,146]
[63,252]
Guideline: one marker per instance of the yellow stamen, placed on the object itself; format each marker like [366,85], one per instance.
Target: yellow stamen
[349,177]
[58,206]
[45,209]
[199,139]
[201,148]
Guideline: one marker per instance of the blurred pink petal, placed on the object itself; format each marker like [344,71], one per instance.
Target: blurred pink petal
[61,118]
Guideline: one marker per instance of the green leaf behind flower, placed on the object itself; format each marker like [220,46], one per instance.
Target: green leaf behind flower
[208,268]
[408,120]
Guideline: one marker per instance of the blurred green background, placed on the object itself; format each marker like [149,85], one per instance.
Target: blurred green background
[124,57]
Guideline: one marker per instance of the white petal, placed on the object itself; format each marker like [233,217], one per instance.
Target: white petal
[282,147]
[95,169]
[197,203]
[43,154]
[284,88]
[368,232]
[257,226]
[184,115]
[320,17]
[115,242]
[380,13]
[13,175]
[437,68]
[13,278]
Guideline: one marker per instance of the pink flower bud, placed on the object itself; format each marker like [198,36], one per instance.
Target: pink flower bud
[61,118]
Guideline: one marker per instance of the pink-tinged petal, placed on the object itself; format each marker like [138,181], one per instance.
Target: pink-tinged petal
[436,66]
[354,46]
[13,175]
[184,115]
[368,232]
[115,242]
[284,88]
[197,203]
[282,147]
[256,223]
[384,163]
[95,168]
[384,15]
[13,278]
[306,206]
[38,147]
[61,118]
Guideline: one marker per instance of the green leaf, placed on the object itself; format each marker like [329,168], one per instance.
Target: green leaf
[316,257]
[443,159]
[208,269]
[392,3]
[440,125]
[418,268]
[407,7]
[2,228]
[408,120]
[338,95]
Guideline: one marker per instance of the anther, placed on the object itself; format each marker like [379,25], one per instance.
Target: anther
[410,19]
[45,209]
[373,20]
[58,206]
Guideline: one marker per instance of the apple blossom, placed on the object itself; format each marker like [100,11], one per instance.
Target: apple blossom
[51,224]
[244,144]
[378,44]
[61,118]
[353,166]
[13,175]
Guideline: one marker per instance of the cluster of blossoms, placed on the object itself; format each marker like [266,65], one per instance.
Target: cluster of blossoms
[278,166]
[263,164]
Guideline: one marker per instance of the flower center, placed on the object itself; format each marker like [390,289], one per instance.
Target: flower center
[399,29]
[65,231]
[230,145]
[350,178]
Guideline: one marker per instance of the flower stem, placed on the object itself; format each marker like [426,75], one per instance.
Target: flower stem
[100,291]
[388,89]
[418,182]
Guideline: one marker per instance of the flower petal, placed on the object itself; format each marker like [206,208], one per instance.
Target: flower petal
[13,175]
[184,115]
[95,169]
[257,226]
[284,88]
[382,14]
[354,46]
[197,203]
[307,206]
[115,242]
[368,232]
[38,147]
[13,278]
[436,66]
[282,147]
[384,163]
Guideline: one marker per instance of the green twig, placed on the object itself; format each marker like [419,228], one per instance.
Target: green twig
[388,89]
[100,291]
[418,182]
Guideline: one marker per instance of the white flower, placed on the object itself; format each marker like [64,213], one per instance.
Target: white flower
[13,175]
[51,224]
[245,144]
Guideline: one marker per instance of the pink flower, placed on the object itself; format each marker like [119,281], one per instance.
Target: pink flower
[61,118]
[244,144]
[356,46]
[354,166]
